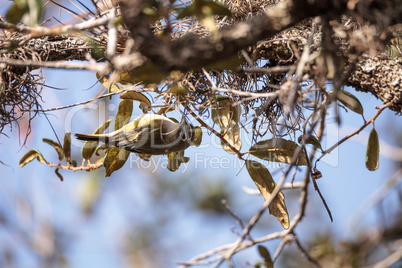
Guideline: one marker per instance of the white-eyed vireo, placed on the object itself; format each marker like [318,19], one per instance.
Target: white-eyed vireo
[148,134]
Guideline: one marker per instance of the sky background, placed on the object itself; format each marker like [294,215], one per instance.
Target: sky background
[147,206]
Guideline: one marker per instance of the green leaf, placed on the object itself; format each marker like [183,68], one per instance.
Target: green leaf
[67,146]
[136,96]
[350,101]
[311,140]
[30,11]
[114,160]
[58,174]
[277,150]
[266,256]
[123,114]
[266,185]
[90,146]
[17,11]
[56,146]
[373,151]
[31,155]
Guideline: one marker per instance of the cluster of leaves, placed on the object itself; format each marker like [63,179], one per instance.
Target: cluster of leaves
[63,152]
[223,113]
[227,116]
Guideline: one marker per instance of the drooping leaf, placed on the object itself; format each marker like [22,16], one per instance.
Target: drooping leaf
[175,160]
[29,11]
[226,116]
[277,150]
[136,96]
[197,136]
[114,160]
[17,11]
[67,146]
[31,155]
[90,146]
[123,114]
[56,146]
[373,151]
[58,174]
[224,113]
[103,147]
[266,256]
[311,140]
[74,163]
[145,157]
[232,136]
[111,87]
[266,185]
[350,101]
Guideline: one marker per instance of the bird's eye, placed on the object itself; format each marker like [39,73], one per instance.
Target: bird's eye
[183,136]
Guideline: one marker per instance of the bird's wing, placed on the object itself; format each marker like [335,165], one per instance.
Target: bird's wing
[131,140]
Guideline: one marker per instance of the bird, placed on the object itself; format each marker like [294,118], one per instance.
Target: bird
[148,134]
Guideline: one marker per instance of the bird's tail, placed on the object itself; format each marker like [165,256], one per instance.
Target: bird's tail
[92,137]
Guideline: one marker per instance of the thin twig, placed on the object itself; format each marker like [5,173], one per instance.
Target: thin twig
[220,136]
[38,31]
[91,100]
[371,120]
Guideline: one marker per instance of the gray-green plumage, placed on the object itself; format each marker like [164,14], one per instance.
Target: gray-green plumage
[148,134]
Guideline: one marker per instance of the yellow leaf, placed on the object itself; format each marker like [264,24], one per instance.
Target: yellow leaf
[197,136]
[266,185]
[114,160]
[123,114]
[224,113]
[277,150]
[136,96]
[175,160]
[90,146]
[231,135]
